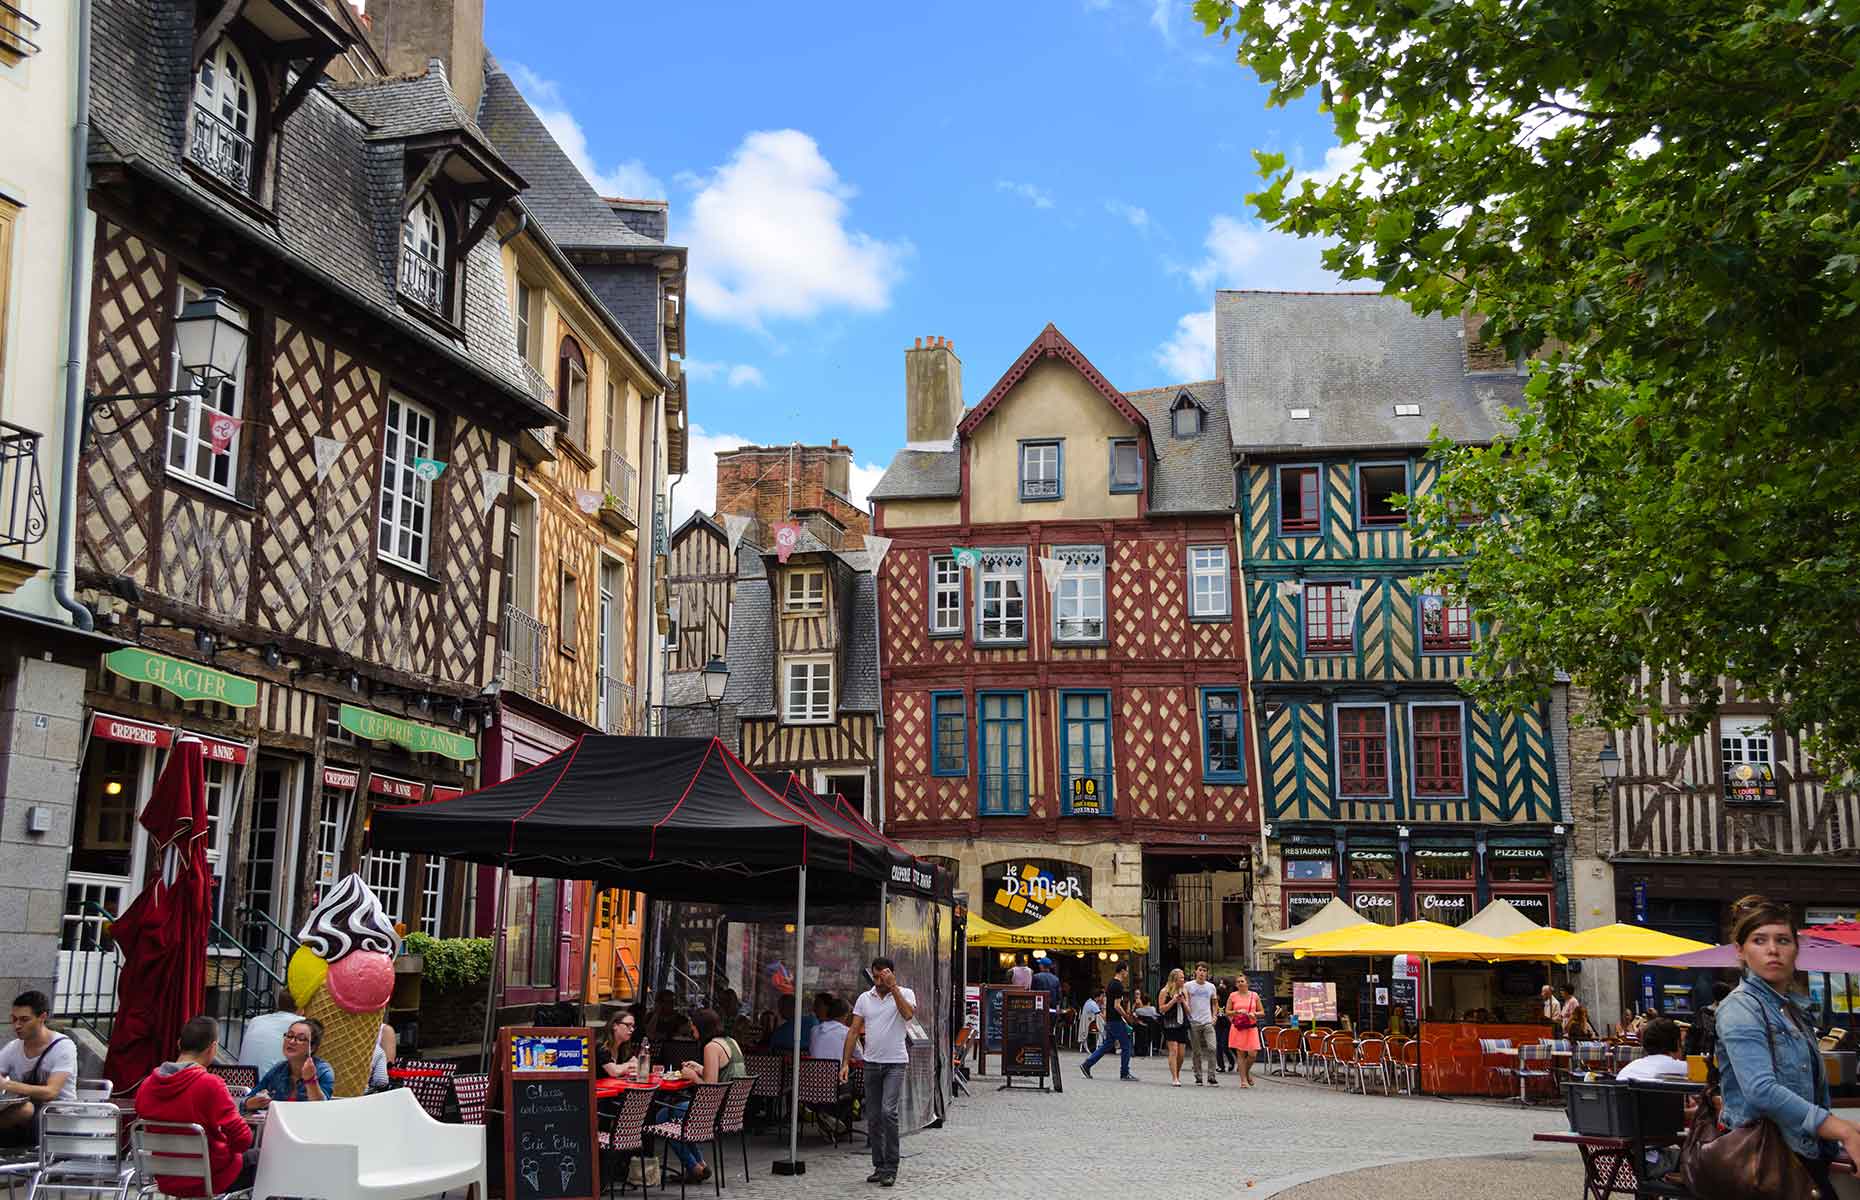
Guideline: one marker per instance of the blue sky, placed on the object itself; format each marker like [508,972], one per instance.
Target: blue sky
[850,177]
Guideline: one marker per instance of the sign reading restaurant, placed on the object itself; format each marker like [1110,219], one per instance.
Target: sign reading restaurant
[1020,891]
[421,739]
[183,679]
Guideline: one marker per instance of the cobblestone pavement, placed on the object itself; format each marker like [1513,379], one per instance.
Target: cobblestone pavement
[1188,1143]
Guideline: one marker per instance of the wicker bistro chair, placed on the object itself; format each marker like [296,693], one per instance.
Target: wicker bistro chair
[449,1065]
[696,1127]
[1534,1062]
[474,1093]
[437,1098]
[79,1151]
[1499,1066]
[623,1130]
[735,1120]
[236,1075]
[820,1093]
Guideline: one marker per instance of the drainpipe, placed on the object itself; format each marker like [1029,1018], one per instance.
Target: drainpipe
[523,222]
[74,335]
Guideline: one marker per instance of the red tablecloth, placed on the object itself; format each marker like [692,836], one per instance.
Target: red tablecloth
[416,1073]
[607,1089]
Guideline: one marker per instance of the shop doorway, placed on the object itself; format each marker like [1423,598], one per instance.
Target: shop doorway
[265,912]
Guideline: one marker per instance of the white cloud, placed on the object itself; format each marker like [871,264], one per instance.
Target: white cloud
[768,237]
[1139,218]
[1037,196]
[1159,17]
[697,491]
[735,375]
[1188,355]
[629,178]
[864,477]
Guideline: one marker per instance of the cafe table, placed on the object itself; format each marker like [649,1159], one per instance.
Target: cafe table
[1560,1061]
[610,1089]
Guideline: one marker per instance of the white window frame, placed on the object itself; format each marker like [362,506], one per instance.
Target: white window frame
[379,869]
[1746,740]
[526,321]
[1081,587]
[227,94]
[432,895]
[190,430]
[804,592]
[1043,455]
[334,807]
[808,681]
[406,499]
[1193,412]
[520,551]
[221,784]
[945,596]
[1001,572]
[423,235]
[1217,581]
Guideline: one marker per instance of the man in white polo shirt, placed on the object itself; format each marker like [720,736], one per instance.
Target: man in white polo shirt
[881,1016]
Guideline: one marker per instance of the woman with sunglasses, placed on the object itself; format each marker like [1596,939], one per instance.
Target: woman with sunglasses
[302,1075]
[616,1056]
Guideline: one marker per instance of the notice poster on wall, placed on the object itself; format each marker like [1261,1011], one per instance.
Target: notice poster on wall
[1313,1002]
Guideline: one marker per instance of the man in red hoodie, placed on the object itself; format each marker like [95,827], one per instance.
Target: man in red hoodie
[186,1093]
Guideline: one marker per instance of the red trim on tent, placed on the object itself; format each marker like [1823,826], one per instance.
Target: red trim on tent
[652,842]
[511,846]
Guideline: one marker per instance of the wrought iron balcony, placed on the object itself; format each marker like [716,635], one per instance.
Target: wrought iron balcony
[222,150]
[520,661]
[421,280]
[618,713]
[22,496]
[619,483]
[14,26]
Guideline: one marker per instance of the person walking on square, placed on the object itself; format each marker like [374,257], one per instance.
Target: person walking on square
[1172,1004]
[1201,994]
[1116,1027]
[1244,1010]
[881,1017]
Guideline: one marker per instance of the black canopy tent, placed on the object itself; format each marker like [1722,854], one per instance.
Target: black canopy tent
[676,818]
[906,870]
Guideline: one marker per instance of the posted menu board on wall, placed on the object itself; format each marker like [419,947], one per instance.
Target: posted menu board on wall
[550,1148]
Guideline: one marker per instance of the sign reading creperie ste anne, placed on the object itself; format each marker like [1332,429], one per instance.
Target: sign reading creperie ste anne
[178,677]
[421,739]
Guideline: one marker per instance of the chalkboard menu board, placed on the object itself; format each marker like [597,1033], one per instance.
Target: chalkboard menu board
[1024,1051]
[1262,984]
[550,1149]
[1402,996]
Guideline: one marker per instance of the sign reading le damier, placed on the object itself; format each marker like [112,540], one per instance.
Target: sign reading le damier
[1019,891]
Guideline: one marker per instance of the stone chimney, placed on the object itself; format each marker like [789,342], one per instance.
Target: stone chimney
[932,392]
[406,33]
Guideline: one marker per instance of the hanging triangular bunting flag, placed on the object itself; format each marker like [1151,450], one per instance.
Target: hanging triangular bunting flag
[491,485]
[967,556]
[1291,588]
[223,430]
[1050,571]
[735,525]
[787,534]
[327,450]
[428,469]
[876,548]
[1351,597]
[587,501]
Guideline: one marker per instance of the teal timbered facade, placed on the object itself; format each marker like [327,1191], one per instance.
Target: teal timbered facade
[1381,782]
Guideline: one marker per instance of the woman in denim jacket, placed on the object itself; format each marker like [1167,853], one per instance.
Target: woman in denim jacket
[1759,1014]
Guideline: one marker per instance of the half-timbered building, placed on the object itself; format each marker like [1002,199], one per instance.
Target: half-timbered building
[1063,674]
[1383,783]
[305,552]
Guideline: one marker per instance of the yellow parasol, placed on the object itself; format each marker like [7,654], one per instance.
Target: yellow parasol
[1544,941]
[1334,915]
[1427,939]
[1072,925]
[1635,943]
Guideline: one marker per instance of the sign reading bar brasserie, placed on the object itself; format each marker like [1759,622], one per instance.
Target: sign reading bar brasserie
[421,739]
[1022,890]
[186,680]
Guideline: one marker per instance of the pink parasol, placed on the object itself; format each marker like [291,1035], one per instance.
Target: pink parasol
[1818,954]
[163,934]
[1845,932]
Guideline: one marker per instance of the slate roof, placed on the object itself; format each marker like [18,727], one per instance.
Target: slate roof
[408,106]
[559,195]
[336,197]
[921,475]
[1348,358]
[1189,475]
[752,649]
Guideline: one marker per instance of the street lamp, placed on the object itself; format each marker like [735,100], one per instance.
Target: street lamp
[716,677]
[210,340]
[1609,761]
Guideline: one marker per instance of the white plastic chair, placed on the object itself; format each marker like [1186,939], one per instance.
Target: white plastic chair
[79,1153]
[379,1147]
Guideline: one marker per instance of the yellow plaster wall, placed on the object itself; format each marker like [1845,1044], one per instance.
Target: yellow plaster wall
[917,514]
[1051,401]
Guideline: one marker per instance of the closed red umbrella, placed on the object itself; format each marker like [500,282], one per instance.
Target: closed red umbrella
[163,935]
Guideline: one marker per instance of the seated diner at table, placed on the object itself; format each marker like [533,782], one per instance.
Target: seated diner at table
[722,1062]
[616,1054]
[185,1092]
[1659,1041]
[37,1067]
[783,1037]
[665,1023]
[301,1075]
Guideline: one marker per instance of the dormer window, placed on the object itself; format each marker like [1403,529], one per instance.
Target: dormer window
[423,254]
[224,121]
[1185,417]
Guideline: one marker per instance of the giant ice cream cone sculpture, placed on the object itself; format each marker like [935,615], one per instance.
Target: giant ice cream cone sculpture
[343,974]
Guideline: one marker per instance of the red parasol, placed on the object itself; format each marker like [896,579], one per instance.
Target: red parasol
[1845,932]
[163,935]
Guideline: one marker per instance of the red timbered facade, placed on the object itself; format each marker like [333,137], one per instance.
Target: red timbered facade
[1062,658]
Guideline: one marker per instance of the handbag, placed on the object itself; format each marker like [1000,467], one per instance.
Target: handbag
[1751,1162]
[1243,1019]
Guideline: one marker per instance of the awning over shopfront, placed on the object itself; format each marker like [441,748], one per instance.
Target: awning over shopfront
[1073,925]
[1333,916]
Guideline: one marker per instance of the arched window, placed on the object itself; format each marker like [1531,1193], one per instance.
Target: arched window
[572,390]
[423,253]
[224,124]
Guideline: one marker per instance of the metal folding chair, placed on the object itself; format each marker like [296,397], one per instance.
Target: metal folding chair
[79,1152]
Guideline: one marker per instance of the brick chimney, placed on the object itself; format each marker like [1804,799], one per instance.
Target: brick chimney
[773,483]
[932,391]
[406,33]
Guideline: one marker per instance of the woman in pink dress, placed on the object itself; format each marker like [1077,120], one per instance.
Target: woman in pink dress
[1244,1010]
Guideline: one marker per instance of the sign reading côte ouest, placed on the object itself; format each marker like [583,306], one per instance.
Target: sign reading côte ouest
[186,680]
[421,739]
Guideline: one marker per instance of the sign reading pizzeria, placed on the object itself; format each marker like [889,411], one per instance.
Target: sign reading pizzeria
[183,679]
[1020,891]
